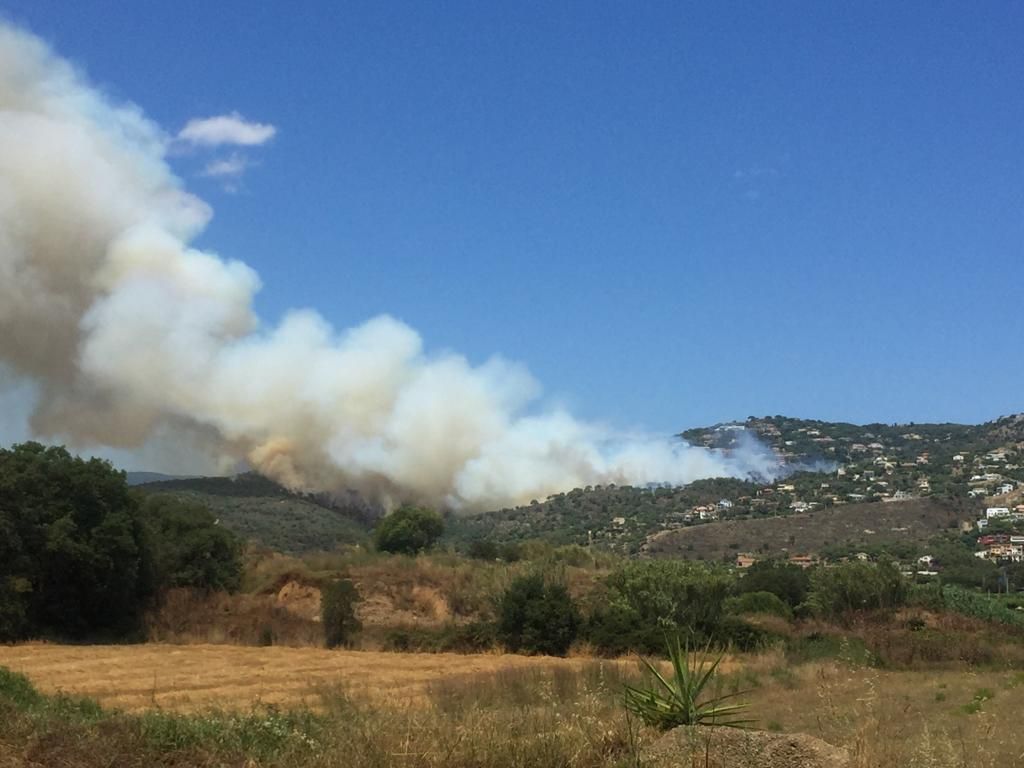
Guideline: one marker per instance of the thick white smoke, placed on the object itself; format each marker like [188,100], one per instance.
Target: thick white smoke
[126,330]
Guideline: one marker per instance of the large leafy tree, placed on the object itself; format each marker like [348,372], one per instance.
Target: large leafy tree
[190,547]
[73,560]
[80,555]
[409,530]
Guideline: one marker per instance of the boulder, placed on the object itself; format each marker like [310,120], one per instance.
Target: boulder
[718,747]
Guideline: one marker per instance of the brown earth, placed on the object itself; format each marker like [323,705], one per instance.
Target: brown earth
[736,748]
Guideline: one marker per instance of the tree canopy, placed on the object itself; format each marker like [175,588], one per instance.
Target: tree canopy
[80,557]
[409,530]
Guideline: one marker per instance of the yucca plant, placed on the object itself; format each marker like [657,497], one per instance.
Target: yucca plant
[681,699]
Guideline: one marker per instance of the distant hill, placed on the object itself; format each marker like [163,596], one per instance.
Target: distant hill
[806,440]
[260,510]
[836,467]
[140,478]
[852,526]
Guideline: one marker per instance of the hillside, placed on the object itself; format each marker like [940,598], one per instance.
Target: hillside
[832,466]
[259,510]
[852,526]
[613,517]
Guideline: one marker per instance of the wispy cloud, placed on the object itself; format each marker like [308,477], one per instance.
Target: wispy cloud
[226,129]
[228,171]
[226,167]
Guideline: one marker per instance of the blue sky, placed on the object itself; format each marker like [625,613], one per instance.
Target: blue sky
[673,213]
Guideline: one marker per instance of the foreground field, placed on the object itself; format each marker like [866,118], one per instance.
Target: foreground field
[230,706]
[189,678]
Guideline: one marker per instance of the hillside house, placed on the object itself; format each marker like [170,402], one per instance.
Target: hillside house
[725,505]
[744,560]
[993,513]
[1004,488]
[707,512]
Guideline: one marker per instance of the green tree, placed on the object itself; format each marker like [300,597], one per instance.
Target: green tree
[190,548]
[409,530]
[856,586]
[338,612]
[73,558]
[647,598]
[786,581]
[537,615]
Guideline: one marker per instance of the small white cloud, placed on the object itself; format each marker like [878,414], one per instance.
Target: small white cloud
[226,129]
[226,167]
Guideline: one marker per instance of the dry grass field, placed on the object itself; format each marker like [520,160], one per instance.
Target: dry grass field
[446,709]
[188,678]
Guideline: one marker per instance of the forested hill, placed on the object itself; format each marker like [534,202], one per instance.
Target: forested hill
[796,439]
[260,510]
[618,517]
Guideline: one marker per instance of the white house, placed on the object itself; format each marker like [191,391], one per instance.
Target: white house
[994,512]
[1004,488]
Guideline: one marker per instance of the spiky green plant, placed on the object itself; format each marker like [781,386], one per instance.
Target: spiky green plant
[681,699]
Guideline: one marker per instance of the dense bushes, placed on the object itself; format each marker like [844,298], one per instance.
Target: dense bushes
[79,555]
[409,530]
[537,615]
[790,583]
[855,586]
[759,602]
[647,597]
[338,612]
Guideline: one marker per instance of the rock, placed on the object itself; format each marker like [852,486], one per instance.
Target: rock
[718,747]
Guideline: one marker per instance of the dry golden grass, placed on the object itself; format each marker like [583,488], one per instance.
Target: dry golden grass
[194,677]
[466,707]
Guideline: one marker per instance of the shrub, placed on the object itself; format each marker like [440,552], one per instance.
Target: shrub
[615,629]
[474,637]
[409,530]
[734,632]
[759,602]
[537,615]
[790,583]
[856,586]
[655,596]
[338,612]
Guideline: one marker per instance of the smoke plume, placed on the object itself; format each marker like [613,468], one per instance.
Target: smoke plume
[127,331]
